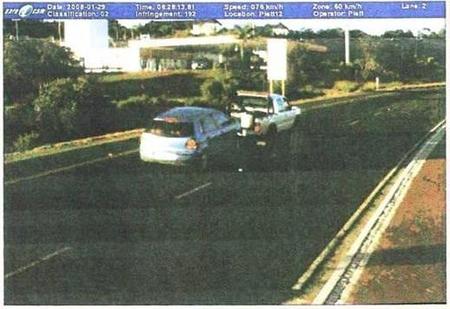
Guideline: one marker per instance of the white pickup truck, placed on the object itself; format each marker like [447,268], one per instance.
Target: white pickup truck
[263,115]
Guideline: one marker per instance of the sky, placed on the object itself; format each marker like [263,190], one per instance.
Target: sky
[370,26]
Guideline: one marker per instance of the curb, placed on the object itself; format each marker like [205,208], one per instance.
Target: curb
[301,282]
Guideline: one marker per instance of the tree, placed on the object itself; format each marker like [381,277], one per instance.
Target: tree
[397,34]
[31,28]
[29,64]
[397,58]
[69,108]
[364,58]
[163,28]
[358,34]
[308,67]
[264,31]
[213,91]
[336,33]
[305,34]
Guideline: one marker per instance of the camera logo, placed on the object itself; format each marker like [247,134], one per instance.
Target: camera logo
[25,10]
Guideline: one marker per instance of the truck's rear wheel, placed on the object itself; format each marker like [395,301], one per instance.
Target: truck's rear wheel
[271,138]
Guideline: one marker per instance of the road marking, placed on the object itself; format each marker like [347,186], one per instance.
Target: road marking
[69,167]
[193,190]
[37,262]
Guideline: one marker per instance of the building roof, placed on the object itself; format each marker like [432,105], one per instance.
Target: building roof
[212,21]
[280,25]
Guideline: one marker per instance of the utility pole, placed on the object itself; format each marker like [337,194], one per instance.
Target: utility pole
[59,32]
[17,29]
[347,46]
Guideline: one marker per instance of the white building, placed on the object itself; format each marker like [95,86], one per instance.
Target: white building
[208,27]
[280,30]
[88,40]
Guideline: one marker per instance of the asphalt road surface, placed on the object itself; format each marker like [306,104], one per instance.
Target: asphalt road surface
[124,232]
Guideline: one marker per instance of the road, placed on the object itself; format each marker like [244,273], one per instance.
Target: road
[123,232]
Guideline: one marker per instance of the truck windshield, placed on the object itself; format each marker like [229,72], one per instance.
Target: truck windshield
[171,129]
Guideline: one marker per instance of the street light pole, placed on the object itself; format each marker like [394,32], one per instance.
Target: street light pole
[347,46]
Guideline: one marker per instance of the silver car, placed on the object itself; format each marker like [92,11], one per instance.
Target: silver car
[189,135]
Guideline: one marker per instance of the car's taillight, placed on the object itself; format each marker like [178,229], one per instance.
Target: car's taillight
[191,144]
[257,128]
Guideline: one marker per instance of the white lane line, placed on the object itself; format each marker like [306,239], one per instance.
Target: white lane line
[69,167]
[37,262]
[193,190]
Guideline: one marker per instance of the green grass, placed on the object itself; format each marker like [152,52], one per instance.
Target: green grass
[180,84]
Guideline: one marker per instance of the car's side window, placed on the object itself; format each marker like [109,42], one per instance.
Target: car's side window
[280,104]
[208,124]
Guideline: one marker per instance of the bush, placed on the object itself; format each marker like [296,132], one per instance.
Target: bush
[71,108]
[368,86]
[18,120]
[213,91]
[26,141]
[136,111]
[345,86]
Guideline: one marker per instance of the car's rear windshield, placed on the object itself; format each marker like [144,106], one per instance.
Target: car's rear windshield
[171,129]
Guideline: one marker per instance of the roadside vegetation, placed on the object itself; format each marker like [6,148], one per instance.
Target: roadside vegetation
[49,99]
